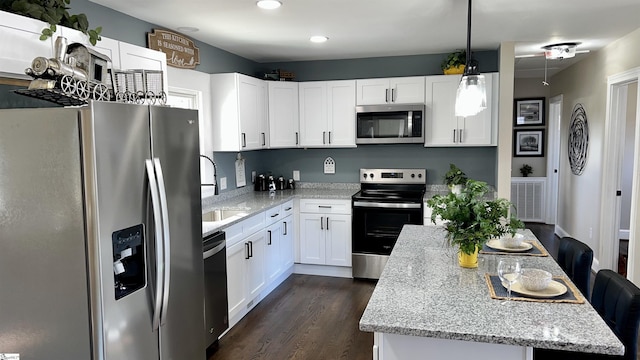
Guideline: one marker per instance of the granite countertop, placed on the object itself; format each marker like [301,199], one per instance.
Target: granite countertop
[253,202]
[423,292]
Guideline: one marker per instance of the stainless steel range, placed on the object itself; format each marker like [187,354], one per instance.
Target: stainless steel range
[389,199]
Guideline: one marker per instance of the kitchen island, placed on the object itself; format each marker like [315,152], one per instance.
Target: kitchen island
[426,306]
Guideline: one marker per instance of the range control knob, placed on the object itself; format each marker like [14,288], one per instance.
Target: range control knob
[413,175]
[371,175]
[365,176]
[419,175]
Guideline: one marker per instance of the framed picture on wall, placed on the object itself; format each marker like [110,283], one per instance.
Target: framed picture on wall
[528,112]
[528,143]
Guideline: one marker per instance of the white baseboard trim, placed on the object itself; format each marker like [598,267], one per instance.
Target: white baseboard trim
[623,234]
[560,231]
[323,270]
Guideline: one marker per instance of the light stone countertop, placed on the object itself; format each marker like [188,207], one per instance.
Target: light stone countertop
[424,292]
[253,202]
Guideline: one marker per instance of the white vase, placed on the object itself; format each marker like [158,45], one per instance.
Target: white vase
[456,189]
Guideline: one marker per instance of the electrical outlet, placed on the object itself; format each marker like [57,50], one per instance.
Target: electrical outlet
[296,175]
[223,183]
[253,177]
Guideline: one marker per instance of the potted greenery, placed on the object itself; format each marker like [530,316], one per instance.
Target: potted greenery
[53,12]
[454,63]
[455,179]
[472,219]
[525,170]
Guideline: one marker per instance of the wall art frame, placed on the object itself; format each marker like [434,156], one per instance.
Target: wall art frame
[528,143]
[529,112]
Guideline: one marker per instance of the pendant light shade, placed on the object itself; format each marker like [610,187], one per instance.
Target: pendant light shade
[471,97]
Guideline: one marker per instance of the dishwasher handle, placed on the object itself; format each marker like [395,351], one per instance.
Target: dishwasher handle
[213,244]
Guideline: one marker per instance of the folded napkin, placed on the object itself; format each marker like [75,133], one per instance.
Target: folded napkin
[497,291]
[536,250]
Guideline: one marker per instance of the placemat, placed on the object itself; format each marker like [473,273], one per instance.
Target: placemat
[497,291]
[536,250]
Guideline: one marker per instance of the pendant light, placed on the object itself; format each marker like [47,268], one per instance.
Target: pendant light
[471,97]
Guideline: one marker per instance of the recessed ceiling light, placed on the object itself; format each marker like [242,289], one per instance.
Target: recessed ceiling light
[269,4]
[188,29]
[318,39]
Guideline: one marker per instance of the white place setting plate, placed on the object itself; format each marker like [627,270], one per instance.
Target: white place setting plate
[554,289]
[496,244]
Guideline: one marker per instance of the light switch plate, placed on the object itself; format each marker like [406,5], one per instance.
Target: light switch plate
[296,175]
[223,183]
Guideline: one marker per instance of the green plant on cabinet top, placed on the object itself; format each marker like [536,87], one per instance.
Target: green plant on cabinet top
[454,60]
[471,219]
[525,170]
[54,12]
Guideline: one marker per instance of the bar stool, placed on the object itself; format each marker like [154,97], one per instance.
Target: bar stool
[617,300]
[575,258]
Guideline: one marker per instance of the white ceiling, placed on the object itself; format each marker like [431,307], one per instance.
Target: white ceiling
[371,28]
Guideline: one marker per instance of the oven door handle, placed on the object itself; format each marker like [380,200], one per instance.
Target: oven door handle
[366,204]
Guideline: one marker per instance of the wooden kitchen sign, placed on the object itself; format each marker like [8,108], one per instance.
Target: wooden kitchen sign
[180,50]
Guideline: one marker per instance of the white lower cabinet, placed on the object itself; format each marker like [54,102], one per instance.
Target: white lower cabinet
[245,272]
[325,233]
[259,254]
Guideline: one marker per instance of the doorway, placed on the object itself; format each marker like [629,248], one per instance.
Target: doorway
[616,131]
[553,159]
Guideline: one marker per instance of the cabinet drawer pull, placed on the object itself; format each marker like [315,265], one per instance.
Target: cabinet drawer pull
[285,228]
[393,95]
[321,220]
[325,206]
[329,137]
[288,209]
[460,132]
[454,135]
[250,248]
[264,139]
[323,134]
[269,231]
[386,95]
[246,248]
[327,223]
[274,215]
[244,140]
[297,142]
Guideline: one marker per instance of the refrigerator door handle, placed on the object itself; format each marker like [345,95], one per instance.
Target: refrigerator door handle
[167,239]
[157,216]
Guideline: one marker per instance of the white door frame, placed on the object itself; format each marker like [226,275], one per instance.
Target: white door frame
[614,126]
[553,159]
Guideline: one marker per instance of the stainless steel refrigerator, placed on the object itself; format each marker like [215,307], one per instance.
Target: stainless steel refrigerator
[100,233]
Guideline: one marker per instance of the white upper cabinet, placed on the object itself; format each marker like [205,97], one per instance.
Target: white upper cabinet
[401,90]
[20,39]
[283,114]
[327,113]
[239,112]
[443,128]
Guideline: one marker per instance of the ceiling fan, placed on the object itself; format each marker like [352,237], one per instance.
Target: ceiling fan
[559,51]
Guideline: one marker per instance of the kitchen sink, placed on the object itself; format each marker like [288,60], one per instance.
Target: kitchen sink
[220,215]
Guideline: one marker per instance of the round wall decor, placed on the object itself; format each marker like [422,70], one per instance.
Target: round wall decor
[578,140]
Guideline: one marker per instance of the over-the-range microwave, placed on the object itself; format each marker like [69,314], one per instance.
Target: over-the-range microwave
[390,124]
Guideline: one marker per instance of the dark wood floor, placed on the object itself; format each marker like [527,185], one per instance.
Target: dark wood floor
[306,317]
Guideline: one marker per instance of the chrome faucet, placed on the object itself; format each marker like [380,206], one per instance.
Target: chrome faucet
[215,172]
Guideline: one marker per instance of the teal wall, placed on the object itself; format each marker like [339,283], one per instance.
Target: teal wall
[479,163]
[474,161]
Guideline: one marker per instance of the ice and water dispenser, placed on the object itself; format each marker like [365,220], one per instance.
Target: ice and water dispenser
[128,260]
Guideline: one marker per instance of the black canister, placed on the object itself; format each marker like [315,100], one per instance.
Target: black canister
[291,184]
[261,183]
[281,183]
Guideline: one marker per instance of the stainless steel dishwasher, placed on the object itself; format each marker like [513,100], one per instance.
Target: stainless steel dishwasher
[216,313]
